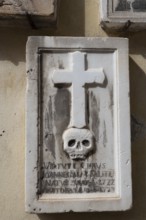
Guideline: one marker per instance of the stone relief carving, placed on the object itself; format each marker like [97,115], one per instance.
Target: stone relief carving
[78,141]
[77,125]
[123,15]
[23,13]
[131,5]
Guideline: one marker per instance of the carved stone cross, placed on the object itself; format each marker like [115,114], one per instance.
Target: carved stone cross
[78,77]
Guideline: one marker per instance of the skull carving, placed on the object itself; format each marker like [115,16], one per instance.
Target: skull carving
[78,143]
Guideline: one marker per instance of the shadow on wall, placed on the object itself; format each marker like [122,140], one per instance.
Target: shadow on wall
[138,104]
[71,22]
[71,18]
[138,133]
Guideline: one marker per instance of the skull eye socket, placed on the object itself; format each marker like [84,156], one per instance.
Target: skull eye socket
[86,143]
[71,143]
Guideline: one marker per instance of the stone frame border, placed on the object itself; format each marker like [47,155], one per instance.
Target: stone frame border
[33,202]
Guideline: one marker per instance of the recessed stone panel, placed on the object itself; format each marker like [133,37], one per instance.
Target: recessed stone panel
[78,127]
[123,15]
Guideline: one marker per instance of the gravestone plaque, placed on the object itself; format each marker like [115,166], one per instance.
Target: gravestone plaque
[123,14]
[78,135]
[25,13]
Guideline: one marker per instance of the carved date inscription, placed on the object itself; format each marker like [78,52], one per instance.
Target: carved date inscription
[77,178]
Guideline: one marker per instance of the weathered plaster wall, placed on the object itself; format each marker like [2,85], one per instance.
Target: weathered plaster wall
[76,18]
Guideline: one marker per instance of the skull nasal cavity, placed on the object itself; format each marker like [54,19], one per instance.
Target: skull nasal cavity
[86,143]
[71,143]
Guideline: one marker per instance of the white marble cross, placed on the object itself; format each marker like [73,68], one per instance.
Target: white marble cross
[78,77]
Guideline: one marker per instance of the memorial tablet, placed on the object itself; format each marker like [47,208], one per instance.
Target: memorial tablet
[123,15]
[78,126]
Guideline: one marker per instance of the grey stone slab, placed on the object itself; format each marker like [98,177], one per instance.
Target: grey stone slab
[78,127]
[23,13]
[123,15]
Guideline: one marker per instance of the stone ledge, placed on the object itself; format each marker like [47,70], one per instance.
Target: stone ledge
[25,13]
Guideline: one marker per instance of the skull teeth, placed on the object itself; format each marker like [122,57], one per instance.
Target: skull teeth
[73,156]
